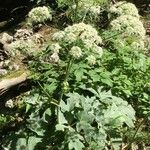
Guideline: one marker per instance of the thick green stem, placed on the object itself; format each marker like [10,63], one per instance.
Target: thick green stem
[65,79]
[63,83]
[76,10]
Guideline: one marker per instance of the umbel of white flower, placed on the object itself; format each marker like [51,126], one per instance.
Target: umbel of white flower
[124,8]
[84,8]
[54,58]
[22,46]
[39,15]
[76,52]
[138,45]
[128,26]
[91,60]
[83,39]
[81,31]
[55,47]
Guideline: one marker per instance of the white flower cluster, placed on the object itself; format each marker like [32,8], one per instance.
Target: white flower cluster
[22,46]
[81,31]
[39,15]
[83,38]
[124,8]
[138,45]
[85,8]
[91,60]
[76,52]
[129,25]
[55,47]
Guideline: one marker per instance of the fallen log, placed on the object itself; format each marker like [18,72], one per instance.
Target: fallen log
[6,84]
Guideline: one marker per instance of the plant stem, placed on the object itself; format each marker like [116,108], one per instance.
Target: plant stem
[44,89]
[141,123]
[62,91]
[77,5]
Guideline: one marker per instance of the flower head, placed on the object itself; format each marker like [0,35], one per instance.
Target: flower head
[90,9]
[76,52]
[98,50]
[129,25]
[54,58]
[79,36]
[39,15]
[83,32]
[70,37]
[21,46]
[55,47]
[58,35]
[91,60]
[138,45]
[124,8]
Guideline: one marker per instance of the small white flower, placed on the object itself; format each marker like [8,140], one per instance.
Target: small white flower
[55,47]
[88,44]
[58,35]
[138,45]
[74,6]
[9,104]
[91,60]
[89,8]
[98,50]
[98,40]
[20,46]
[70,37]
[76,52]
[54,58]
[95,10]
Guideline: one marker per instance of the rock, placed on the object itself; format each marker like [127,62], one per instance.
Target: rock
[6,38]
[38,38]
[9,104]
[23,34]
[3,71]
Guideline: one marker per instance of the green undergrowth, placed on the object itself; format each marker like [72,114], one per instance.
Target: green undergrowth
[90,85]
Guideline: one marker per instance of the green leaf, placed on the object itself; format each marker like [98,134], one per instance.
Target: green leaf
[21,144]
[28,107]
[75,144]
[46,115]
[50,87]
[94,76]
[116,143]
[108,82]
[60,127]
[32,142]
[79,74]
[61,118]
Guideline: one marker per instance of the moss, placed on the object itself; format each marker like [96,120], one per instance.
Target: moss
[13,74]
